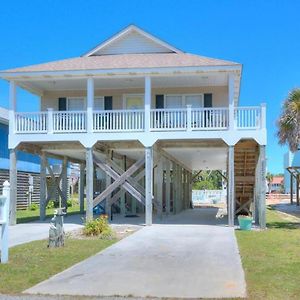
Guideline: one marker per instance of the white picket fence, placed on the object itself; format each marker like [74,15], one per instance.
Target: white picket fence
[208,197]
[4,220]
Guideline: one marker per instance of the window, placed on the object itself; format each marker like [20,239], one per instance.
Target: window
[195,100]
[76,104]
[179,101]
[134,101]
[79,103]
[174,101]
[99,103]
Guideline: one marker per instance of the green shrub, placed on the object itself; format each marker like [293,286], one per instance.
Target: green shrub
[98,227]
[33,207]
[69,203]
[50,204]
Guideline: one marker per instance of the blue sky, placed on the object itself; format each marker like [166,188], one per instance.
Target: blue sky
[262,35]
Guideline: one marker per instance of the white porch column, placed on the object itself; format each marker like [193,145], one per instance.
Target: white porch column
[148,185]
[230,187]
[90,103]
[262,187]
[231,100]
[81,188]
[12,106]
[89,183]
[43,187]
[13,186]
[147,102]
[263,108]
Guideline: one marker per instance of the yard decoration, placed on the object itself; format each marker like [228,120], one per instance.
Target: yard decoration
[56,230]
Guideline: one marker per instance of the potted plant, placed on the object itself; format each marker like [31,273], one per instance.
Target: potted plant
[245,222]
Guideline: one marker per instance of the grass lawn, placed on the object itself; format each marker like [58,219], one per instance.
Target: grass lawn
[24,216]
[32,263]
[271,258]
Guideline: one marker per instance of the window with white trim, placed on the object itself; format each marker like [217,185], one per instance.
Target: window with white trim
[134,101]
[173,101]
[179,101]
[76,103]
[99,103]
[196,101]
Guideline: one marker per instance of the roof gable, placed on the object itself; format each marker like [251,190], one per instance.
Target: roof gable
[132,40]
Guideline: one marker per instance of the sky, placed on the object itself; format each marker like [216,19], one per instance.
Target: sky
[262,35]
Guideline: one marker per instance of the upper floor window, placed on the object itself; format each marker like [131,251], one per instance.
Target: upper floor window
[133,101]
[178,101]
[79,103]
[76,103]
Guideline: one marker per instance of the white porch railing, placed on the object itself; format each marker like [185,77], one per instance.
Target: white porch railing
[248,117]
[181,119]
[209,118]
[168,119]
[118,120]
[69,121]
[31,122]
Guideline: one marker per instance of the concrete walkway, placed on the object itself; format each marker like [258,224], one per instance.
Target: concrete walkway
[38,230]
[174,261]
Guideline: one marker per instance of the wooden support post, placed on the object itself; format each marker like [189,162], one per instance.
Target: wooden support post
[81,188]
[291,188]
[89,183]
[43,187]
[177,188]
[108,183]
[190,190]
[231,188]
[148,185]
[174,185]
[13,186]
[159,187]
[168,186]
[262,194]
[297,188]
[64,183]
[122,197]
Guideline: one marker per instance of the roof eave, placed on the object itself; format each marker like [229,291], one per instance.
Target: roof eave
[118,72]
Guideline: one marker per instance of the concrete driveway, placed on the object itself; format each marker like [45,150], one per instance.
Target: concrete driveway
[175,261]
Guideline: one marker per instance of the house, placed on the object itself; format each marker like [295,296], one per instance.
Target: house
[276,184]
[28,168]
[292,175]
[141,115]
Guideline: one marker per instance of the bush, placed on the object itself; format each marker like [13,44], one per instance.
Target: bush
[98,227]
[33,207]
[50,204]
[69,203]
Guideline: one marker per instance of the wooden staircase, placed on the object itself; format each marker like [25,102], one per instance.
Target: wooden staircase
[245,161]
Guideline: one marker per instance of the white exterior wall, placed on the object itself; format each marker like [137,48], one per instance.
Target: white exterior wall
[220,95]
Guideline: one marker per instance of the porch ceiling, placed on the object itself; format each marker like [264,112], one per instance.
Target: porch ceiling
[203,79]
[199,158]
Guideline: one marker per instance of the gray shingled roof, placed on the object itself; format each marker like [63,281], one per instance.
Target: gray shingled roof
[125,61]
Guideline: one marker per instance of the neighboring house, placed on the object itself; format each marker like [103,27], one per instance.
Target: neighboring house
[139,104]
[291,162]
[28,165]
[277,184]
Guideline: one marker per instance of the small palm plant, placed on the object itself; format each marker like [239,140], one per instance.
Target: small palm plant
[289,121]
[269,178]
